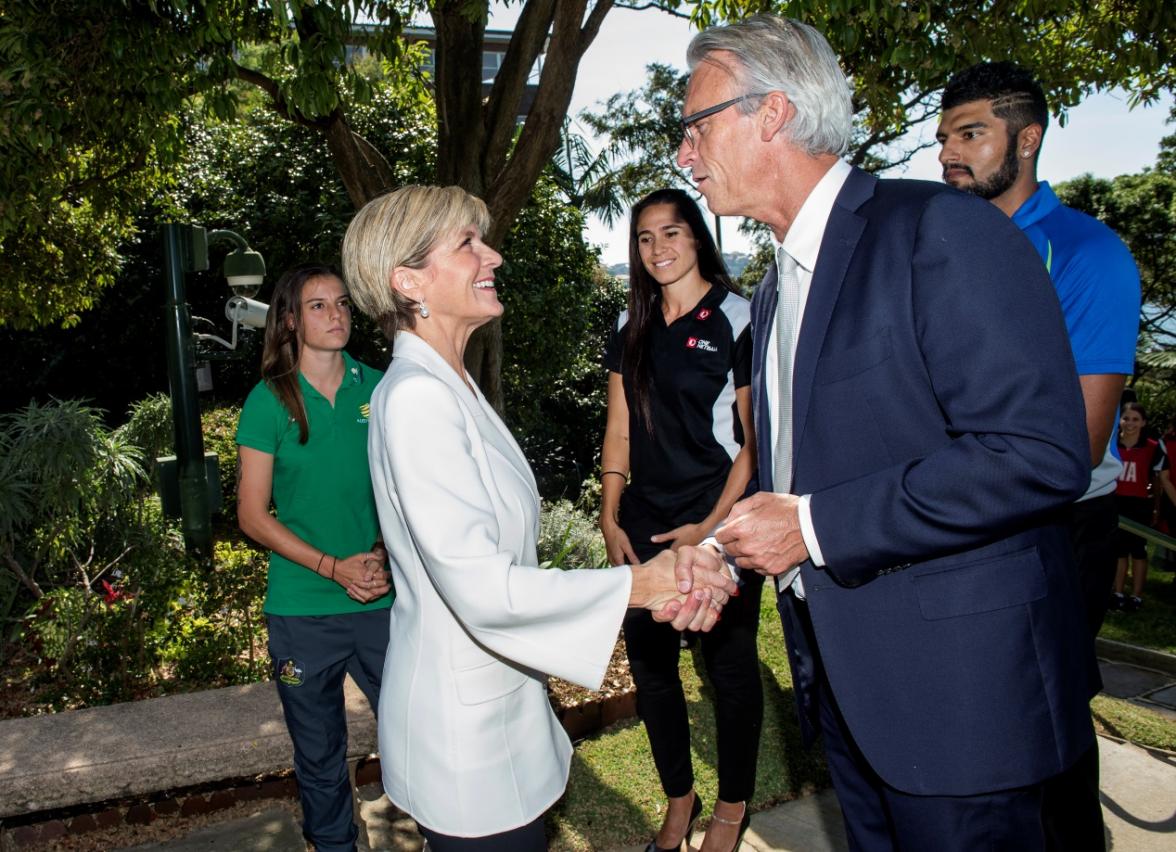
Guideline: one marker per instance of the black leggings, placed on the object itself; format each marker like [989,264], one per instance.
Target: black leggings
[526,838]
[732,665]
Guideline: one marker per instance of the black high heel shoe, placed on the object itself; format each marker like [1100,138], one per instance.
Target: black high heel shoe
[695,810]
[742,823]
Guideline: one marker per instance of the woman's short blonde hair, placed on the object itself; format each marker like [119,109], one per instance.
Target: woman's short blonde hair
[400,229]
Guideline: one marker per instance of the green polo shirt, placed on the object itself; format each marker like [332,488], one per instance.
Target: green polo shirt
[322,489]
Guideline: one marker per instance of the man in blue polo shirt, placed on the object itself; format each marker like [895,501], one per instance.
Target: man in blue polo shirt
[994,118]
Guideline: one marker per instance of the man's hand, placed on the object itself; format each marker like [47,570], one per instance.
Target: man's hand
[763,533]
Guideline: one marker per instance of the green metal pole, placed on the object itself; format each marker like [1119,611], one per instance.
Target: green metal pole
[196,514]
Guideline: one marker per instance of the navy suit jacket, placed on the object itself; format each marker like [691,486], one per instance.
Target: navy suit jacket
[939,427]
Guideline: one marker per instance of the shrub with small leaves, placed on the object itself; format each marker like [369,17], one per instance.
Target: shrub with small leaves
[568,538]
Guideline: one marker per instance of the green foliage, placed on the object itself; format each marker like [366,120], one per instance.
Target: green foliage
[67,492]
[98,642]
[1141,209]
[165,624]
[899,56]
[216,622]
[151,428]
[116,610]
[558,312]
[72,164]
[569,538]
[587,180]
[220,436]
[95,101]
[644,133]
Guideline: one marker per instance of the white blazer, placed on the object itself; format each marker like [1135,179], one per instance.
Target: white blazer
[469,744]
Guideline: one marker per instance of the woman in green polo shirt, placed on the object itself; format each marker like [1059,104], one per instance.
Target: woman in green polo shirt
[303,448]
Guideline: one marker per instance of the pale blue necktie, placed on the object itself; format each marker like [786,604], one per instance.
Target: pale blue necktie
[787,325]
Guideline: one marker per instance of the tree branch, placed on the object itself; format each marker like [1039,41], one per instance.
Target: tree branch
[26,579]
[641,7]
[277,102]
[507,91]
[509,188]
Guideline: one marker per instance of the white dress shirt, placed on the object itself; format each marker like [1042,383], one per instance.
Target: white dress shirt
[803,244]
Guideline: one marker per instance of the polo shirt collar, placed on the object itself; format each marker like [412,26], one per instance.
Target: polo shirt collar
[353,375]
[1037,206]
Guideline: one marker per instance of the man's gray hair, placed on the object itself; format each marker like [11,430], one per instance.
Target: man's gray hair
[782,55]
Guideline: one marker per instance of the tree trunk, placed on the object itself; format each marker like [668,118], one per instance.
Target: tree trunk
[474,148]
[363,169]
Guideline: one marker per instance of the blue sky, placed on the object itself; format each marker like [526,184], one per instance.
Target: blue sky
[1102,136]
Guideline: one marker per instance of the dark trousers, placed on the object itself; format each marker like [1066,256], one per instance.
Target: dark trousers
[879,818]
[1071,811]
[732,666]
[526,838]
[311,655]
[1094,526]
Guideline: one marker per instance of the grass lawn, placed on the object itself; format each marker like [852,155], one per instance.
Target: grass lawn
[614,798]
[1153,626]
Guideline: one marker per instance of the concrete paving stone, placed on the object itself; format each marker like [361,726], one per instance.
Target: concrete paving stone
[1139,797]
[1125,681]
[267,830]
[1165,696]
[808,824]
[1159,709]
[389,829]
[142,747]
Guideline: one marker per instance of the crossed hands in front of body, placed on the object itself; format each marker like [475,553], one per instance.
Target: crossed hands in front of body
[365,575]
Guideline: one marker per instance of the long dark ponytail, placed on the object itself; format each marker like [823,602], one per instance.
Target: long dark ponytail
[645,292]
[279,356]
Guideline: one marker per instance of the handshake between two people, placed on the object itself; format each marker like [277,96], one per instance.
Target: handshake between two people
[687,587]
[762,533]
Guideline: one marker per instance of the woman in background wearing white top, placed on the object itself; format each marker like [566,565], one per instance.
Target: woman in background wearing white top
[468,742]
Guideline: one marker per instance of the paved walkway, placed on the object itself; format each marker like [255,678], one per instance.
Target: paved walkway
[1138,794]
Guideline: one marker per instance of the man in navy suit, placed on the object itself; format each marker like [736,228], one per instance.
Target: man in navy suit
[920,433]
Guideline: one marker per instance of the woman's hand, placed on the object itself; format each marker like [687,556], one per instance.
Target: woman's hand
[616,543]
[688,588]
[363,575]
[685,534]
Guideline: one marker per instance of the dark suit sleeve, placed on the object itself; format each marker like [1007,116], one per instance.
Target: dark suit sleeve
[1012,442]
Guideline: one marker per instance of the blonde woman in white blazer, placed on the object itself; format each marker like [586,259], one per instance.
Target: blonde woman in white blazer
[468,742]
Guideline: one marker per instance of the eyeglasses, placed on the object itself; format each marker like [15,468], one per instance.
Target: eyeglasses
[688,121]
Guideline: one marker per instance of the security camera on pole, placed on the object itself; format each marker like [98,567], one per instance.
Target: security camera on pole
[185,249]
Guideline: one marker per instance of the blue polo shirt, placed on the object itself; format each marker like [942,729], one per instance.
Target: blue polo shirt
[1098,286]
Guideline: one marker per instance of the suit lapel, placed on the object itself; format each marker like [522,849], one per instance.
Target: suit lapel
[414,349]
[842,232]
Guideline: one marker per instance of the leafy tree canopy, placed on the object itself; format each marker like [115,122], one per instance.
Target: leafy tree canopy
[900,55]
[1141,209]
[94,91]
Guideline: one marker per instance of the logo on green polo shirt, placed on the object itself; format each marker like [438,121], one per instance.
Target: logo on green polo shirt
[365,411]
[290,673]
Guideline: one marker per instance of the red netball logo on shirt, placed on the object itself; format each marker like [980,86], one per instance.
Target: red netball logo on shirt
[703,314]
[704,345]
